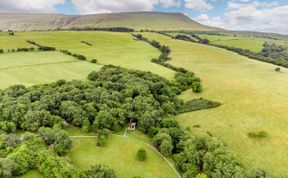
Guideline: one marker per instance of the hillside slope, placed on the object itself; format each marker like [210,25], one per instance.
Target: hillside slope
[135,20]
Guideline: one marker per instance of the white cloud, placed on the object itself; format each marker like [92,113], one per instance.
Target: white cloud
[28,5]
[169,3]
[213,22]
[198,4]
[252,16]
[248,3]
[107,6]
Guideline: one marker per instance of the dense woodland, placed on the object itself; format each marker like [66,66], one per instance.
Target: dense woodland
[113,98]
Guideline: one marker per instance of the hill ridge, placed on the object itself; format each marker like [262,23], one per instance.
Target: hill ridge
[135,20]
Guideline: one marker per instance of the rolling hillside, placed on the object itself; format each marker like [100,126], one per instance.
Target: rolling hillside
[135,20]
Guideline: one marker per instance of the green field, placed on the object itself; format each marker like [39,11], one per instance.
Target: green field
[30,68]
[120,155]
[251,43]
[108,48]
[253,97]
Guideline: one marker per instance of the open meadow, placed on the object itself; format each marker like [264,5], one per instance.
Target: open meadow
[251,43]
[108,48]
[253,97]
[30,68]
[120,155]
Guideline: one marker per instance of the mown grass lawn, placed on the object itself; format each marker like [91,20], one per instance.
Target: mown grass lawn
[254,97]
[120,155]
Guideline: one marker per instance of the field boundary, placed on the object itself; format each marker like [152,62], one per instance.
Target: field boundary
[42,64]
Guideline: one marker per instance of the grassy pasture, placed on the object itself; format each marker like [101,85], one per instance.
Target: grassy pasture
[253,97]
[30,68]
[251,43]
[107,47]
[120,155]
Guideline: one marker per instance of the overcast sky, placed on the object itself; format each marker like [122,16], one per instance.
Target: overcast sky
[255,15]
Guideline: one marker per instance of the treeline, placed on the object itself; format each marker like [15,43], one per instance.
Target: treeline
[165,50]
[197,104]
[30,151]
[200,40]
[110,29]
[87,43]
[78,56]
[214,33]
[184,38]
[18,50]
[31,49]
[48,48]
[270,53]
[184,78]
[41,47]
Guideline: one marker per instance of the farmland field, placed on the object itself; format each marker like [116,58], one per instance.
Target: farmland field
[122,157]
[253,97]
[30,68]
[251,43]
[108,48]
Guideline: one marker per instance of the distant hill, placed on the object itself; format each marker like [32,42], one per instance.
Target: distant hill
[135,20]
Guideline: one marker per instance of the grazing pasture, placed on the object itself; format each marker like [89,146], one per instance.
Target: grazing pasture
[252,43]
[253,97]
[120,155]
[107,47]
[30,68]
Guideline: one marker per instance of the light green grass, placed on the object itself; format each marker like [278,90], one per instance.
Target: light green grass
[253,97]
[119,154]
[108,48]
[252,43]
[32,174]
[30,68]
[22,59]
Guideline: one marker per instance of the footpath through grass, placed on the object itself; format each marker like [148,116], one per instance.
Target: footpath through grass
[253,97]
[120,155]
